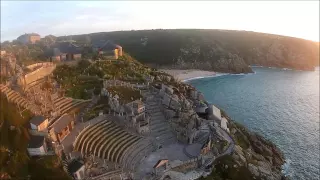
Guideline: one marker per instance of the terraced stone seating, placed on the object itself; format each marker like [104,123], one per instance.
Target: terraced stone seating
[133,157]
[34,84]
[68,104]
[108,141]
[74,105]
[16,98]
[63,104]
[116,174]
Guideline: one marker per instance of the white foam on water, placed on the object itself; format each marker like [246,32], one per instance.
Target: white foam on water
[217,75]
[286,168]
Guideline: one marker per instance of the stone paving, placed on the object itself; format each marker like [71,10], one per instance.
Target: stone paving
[181,176]
[193,150]
[172,152]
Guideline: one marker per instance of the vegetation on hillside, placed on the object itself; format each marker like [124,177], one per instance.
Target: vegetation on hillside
[14,137]
[226,168]
[218,50]
[25,54]
[86,77]
[125,94]
[72,79]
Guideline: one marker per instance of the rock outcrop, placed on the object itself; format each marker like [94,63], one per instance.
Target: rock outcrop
[261,157]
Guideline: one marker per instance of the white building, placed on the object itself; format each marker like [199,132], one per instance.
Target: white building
[214,113]
[37,146]
[224,125]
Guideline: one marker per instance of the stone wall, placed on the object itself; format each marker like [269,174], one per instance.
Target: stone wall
[171,102]
[77,56]
[143,129]
[32,66]
[36,75]
[194,162]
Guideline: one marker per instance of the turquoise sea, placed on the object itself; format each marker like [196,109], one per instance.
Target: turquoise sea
[282,105]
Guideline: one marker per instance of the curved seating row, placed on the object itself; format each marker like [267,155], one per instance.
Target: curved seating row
[106,140]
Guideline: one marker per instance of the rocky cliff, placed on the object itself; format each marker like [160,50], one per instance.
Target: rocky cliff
[217,50]
[253,157]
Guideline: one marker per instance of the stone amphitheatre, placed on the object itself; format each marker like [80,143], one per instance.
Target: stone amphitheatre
[156,136]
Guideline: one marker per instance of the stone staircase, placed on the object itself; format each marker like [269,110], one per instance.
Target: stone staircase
[201,137]
[159,127]
[203,134]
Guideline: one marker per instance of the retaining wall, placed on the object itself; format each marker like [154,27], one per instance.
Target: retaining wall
[43,71]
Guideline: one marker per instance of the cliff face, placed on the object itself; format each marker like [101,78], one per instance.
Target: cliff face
[286,52]
[217,50]
[210,57]
[254,157]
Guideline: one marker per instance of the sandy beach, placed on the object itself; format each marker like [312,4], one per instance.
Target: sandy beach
[184,75]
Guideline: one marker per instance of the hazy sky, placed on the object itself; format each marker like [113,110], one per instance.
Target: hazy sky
[298,19]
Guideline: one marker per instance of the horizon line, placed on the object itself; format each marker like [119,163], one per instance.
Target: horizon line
[96,32]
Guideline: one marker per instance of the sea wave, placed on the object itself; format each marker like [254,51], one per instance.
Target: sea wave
[217,75]
[255,66]
[286,168]
[199,77]
[220,74]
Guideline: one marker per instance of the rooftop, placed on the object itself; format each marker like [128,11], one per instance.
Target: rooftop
[37,120]
[105,45]
[63,48]
[36,141]
[68,47]
[62,122]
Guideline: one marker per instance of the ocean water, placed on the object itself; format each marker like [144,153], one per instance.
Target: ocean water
[282,105]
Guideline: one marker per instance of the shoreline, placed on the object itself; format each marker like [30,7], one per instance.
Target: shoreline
[190,74]
[185,75]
